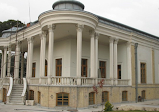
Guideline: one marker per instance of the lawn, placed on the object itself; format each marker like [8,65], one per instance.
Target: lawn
[132,111]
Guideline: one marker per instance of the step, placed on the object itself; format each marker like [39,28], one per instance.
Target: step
[15,103]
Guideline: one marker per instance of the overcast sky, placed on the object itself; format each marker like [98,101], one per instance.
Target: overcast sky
[140,14]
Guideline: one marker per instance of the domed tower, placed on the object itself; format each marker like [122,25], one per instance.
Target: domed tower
[68,5]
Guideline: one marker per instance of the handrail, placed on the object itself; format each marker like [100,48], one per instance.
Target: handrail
[10,87]
[25,87]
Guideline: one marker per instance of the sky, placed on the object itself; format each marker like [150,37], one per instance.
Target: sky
[139,14]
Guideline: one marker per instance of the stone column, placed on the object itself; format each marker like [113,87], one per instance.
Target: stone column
[50,51]
[42,54]
[22,65]
[115,61]
[9,61]
[4,62]
[92,59]
[17,57]
[129,62]
[30,56]
[96,67]
[79,51]
[111,40]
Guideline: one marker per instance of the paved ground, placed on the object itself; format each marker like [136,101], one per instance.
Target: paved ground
[23,108]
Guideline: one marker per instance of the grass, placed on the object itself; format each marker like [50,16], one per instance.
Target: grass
[133,111]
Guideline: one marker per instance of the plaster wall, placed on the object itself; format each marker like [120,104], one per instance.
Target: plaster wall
[156,63]
[145,56]
[122,60]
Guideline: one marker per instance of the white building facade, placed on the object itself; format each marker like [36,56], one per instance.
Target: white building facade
[69,50]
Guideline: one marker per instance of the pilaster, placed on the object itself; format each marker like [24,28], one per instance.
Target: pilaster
[5,62]
[9,61]
[129,72]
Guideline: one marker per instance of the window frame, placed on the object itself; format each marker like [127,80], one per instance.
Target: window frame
[39,97]
[119,70]
[62,98]
[33,69]
[92,98]
[102,67]
[106,97]
[143,75]
[60,67]
[31,94]
[143,94]
[124,96]
[82,67]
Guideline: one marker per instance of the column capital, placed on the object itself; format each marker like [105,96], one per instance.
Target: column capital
[30,40]
[5,47]
[51,27]
[116,41]
[97,35]
[128,43]
[91,33]
[80,27]
[111,40]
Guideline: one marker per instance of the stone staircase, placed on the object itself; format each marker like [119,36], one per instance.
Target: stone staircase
[16,97]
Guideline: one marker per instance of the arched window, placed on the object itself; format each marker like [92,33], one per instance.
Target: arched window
[105,96]
[91,98]
[62,99]
[39,97]
[143,94]
[45,67]
[124,96]
[31,95]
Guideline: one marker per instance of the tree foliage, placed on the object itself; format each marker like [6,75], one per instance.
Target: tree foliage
[9,24]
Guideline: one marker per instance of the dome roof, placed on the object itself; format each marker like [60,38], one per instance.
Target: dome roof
[73,2]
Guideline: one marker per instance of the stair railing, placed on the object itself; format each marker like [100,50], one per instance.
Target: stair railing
[10,89]
[24,89]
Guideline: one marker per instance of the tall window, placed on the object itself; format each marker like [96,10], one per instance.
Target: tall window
[62,99]
[33,69]
[119,71]
[102,67]
[84,68]
[124,96]
[45,67]
[105,96]
[143,72]
[143,93]
[58,67]
[31,95]
[91,98]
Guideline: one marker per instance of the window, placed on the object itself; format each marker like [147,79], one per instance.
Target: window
[102,67]
[39,97]
[143,94]
[58,67]
[124,96]
[33,69]
[84,68]
[45,67]
[31,95]
[91,98]
[105,96]
[62,99]
[143,72]
[119,71]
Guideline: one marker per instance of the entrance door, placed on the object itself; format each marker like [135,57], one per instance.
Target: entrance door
[4,95]
[39,97]
[58,68]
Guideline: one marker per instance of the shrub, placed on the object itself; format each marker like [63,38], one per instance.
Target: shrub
[108,107]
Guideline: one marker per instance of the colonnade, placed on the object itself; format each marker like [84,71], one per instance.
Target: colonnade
[94,36]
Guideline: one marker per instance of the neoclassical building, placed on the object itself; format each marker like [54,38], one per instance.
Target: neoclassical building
[69,51]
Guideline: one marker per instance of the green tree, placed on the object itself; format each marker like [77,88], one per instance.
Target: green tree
[9,24]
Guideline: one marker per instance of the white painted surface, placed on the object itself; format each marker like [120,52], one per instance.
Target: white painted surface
[145,56]
[156,63]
